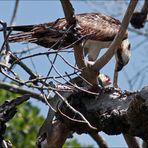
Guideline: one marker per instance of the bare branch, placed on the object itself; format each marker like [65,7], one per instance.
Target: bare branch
[145,7]
[58,135]
[6,36]
[78,52]
[17,89]
[117,41]
[131,141]
[99,140]
[14,12]
[24,66]
[86,70]
[69,12]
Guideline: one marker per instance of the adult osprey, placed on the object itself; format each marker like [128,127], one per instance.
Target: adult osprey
[95,30]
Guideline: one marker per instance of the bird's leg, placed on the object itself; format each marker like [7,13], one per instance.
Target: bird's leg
[115,80]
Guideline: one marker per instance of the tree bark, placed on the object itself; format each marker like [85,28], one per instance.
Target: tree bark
[112,111]
[58,135]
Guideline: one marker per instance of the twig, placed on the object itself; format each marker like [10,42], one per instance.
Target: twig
[6,66]
[75,111]
[72,119]
[25,67]
[84,79]
[6,35]
[14,12]
[17,89]
[6,42]
[11,78]
[21,82]
[75,86]
[50,77]
[68,63]
[33,55]
[46,100]
[25,50]
[52,63]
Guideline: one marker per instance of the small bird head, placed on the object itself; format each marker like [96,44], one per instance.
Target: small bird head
[123,54]
[104,80]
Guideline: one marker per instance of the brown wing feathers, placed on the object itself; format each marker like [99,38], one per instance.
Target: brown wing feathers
[94,26]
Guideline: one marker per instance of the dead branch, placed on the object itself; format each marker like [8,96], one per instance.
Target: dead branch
[58,134]
[17,89]
[14,12]
[24,66]
[78,50]
[7,112]
[99,140]
[69,12]
[86,70]
[131,142]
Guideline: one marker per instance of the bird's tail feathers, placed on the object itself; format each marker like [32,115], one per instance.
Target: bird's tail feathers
[19,28]
[22,37]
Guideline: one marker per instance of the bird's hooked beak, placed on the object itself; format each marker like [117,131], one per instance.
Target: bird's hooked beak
[123,54]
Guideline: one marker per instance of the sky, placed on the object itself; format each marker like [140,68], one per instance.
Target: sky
[36,12]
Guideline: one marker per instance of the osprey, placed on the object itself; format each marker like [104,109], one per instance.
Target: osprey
[93,31]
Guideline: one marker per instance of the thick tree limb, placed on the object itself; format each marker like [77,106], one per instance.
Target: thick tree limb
[131,142]
[86,70]
[99,140]
[59,134]
[113,111]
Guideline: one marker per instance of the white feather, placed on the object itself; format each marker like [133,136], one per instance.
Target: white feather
[92,48]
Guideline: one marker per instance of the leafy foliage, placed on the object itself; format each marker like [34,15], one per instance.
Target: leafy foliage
[75,144]
[22,129]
